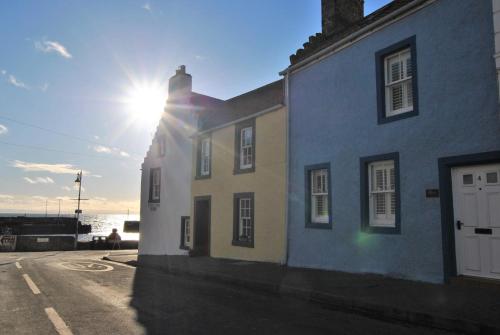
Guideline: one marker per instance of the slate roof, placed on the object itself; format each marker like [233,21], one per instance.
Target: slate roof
[220,112]
[320,41]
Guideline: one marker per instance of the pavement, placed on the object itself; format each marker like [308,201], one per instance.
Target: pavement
[466,306]
[79,293]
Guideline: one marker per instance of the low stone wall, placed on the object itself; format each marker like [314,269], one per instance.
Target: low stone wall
[44,243]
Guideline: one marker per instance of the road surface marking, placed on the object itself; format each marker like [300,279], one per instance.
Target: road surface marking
[18,265]
[20,258]
[58,323]
[116,263]
[86,266]
[31,284]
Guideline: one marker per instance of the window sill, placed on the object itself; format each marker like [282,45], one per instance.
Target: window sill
[246,244]
[208,176]
[396,117]
[242,171]
[316,225]
[382,230]
[154,201]
[184,247]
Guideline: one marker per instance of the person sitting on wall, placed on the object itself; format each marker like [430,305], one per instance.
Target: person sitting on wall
[114,238]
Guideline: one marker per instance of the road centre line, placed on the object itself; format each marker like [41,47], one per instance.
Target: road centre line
[18,265]
[58,322]
[31,284]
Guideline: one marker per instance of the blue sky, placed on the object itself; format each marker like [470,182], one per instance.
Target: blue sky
[70,67]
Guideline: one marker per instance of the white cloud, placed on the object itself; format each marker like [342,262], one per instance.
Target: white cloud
[52,168]
[111,151]
[200,57]
[39,197]
[74,188]
[147,7]
[96,137]
[99,199]
[102,149]
[6,197]
[95,175]
[17,83]
[53,46]
[3,72]
[3,129]
[44,87]
[39,180]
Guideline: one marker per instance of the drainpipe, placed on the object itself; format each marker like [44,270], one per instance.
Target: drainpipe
[287,163]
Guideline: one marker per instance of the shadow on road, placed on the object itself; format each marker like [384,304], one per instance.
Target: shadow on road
[170,304]
[174,304]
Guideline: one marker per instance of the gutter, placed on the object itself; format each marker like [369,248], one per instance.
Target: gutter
[360,34]
[224,125]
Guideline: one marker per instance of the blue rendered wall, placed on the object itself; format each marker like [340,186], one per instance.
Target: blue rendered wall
[333,118]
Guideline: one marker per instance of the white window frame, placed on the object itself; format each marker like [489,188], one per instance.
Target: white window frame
[317,193]
[205,156]
[245,219]
[156,184]
[387,190]
[405,81]
[246,149]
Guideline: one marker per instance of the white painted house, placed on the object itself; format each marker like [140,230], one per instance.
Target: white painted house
[167,171]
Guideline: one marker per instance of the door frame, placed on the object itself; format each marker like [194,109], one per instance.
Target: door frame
[196,200]
[445,165]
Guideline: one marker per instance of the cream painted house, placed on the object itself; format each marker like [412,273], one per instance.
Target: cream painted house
[239,179]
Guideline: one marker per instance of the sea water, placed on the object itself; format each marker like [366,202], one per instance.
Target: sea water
[102,224]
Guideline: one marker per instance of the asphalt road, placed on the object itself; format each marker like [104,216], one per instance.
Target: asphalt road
[77,293]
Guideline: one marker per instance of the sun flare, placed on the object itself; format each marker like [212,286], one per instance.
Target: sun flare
[146,101]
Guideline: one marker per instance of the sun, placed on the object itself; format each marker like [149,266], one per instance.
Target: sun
[146,101]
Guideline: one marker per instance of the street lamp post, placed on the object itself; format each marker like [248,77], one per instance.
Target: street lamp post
[78,180]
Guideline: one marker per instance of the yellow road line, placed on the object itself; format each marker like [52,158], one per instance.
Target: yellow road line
[18,265]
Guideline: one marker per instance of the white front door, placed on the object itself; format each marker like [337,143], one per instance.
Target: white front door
[476,204]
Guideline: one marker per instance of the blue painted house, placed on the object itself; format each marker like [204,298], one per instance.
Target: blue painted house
[394,141]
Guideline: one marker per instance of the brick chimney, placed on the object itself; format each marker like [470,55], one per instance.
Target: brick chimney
[337,15]
[180,84]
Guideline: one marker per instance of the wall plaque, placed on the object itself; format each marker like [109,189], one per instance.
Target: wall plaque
[432,193]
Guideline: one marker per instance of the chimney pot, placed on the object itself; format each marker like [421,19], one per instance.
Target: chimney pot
[180,84]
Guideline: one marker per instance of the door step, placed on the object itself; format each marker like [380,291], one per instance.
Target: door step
[476,282]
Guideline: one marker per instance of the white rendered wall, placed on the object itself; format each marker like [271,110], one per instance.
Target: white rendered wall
[160,228]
